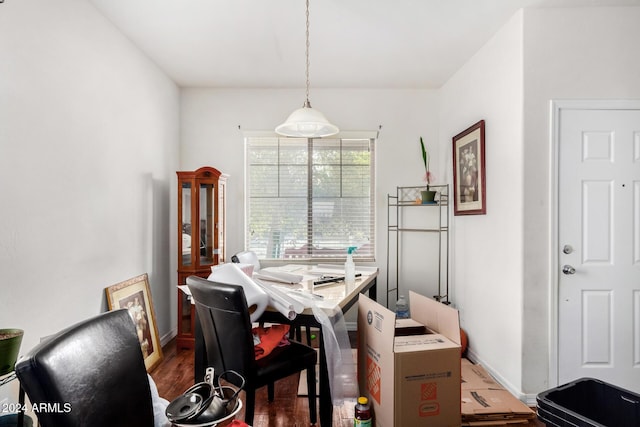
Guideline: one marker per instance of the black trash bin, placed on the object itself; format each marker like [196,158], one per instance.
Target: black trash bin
[589,402]
[11,420]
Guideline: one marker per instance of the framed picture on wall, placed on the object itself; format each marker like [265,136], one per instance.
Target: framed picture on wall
[469,189]
[135,296]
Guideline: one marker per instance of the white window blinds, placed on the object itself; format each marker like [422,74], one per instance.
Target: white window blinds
[310,198]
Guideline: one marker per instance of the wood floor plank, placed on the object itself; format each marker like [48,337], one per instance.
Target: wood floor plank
[175,375]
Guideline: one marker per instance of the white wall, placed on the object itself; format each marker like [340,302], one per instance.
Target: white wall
[89,137]
[540,55]
[587,53]
[210,136]
[88,153]
[487,249]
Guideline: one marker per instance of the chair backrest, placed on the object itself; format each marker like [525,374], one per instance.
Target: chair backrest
[91,374]
[224,318]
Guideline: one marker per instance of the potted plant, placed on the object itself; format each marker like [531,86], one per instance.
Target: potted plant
[428,195]
[10,340]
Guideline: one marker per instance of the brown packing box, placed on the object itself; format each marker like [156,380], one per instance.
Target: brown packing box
[406,327]
[465,361]
[475,377]
[484,400]
[411,380]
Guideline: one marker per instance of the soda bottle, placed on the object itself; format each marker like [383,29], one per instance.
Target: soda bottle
[362,413]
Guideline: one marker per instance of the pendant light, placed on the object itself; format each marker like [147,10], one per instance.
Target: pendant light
[307,122]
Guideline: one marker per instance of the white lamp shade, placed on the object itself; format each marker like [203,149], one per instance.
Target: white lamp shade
[306,122]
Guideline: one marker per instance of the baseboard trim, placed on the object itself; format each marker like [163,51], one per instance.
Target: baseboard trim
[527,399]
[164,340]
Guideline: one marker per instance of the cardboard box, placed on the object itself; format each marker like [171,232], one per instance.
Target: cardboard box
[410,380]
[475,377]
[409,327]
[484,400]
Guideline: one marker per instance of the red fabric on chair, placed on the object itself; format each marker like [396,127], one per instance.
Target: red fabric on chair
[270,338]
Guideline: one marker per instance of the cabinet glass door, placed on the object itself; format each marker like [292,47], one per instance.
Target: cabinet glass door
[207,224]
[187,235]
[221,224]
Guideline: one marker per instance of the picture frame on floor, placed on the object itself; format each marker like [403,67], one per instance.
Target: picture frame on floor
[135,295]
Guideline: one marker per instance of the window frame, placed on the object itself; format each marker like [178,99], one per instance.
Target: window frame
[372,136]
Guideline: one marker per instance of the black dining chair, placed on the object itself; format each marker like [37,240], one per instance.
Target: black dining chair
[224,318]
[90,374]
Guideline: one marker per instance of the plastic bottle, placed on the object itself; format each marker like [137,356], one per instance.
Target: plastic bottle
[402,308]
[362,413]
[350,267]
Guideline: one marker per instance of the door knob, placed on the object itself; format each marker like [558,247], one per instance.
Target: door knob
[567,269]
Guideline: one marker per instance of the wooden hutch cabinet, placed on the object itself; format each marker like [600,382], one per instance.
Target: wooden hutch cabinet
[201,237]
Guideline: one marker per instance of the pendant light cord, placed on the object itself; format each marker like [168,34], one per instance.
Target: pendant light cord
[307,103]
[306,122]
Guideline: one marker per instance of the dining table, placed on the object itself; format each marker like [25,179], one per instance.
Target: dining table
[315,284]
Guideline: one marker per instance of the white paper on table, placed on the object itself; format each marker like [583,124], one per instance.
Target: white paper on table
[280,299]
[306,298]
[339,269]
[277,276]
[185,289]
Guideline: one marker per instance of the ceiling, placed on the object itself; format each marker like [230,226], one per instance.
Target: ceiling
[353,43]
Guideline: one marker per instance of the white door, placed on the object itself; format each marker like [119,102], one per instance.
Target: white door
[599,253]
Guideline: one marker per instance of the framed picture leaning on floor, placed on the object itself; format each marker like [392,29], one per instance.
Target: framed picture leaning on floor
[134,295]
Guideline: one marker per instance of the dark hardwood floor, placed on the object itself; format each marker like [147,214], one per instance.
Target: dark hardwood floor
[175,375]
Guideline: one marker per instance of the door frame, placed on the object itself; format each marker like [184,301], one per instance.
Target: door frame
[557,106]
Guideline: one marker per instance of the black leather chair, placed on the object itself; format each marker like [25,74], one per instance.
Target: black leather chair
[91,374]
[224,317]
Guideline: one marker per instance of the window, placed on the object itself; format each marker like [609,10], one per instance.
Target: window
[310,198]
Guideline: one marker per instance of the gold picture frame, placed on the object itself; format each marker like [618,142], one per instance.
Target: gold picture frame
[135,295]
